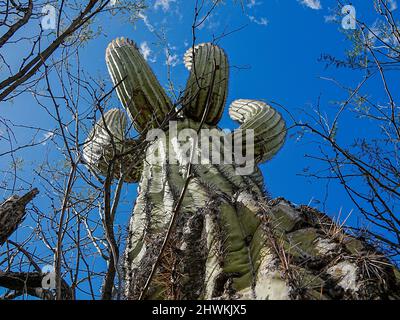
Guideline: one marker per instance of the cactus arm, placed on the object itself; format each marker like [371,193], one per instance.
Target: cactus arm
[106,142]
[137,87]
[209,70]
[268,125]
[229,241]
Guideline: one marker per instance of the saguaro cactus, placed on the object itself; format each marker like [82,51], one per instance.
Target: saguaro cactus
[202,231]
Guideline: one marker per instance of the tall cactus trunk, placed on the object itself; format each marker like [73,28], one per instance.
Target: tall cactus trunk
[212,237]
[203,231]
[230,241]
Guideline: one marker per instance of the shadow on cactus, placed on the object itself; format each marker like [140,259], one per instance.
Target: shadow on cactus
[200,230]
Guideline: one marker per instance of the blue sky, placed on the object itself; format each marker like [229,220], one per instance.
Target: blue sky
[274,57]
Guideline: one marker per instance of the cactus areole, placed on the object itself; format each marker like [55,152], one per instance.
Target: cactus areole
[201,230]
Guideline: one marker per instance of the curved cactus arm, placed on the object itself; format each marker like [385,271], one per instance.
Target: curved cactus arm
[268,125]
[107,143]
[208,80]
[137,87]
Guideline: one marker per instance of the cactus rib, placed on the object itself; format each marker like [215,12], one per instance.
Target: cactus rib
[268,125]
[138,89]
[209,70]
[106,142]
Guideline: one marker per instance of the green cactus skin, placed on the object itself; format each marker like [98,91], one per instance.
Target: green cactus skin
[230,241]
[209,71]
[269,129]
[107,141]
[138,89]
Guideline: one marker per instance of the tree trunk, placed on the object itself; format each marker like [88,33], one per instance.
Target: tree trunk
[12,213]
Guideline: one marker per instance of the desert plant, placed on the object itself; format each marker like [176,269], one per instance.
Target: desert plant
[201,230]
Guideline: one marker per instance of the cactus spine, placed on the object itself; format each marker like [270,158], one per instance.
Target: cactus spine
[230,241]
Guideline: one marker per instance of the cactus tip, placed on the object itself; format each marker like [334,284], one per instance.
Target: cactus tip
[118,43]
[188,56]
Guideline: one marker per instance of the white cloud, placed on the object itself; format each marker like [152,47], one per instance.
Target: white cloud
[392,4]
[210,22]
[330,18]
[253,3]
[171,59]
[47,136]
[376,33]
[261,21]
[164,4]
[146,52]
[313,4]
[146,22]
